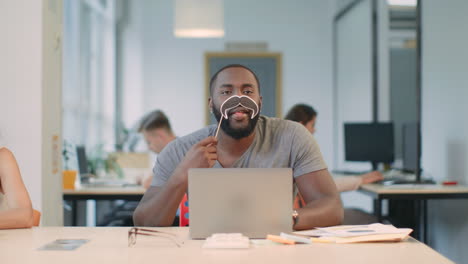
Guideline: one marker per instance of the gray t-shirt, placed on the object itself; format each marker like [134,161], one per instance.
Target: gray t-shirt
[278,143]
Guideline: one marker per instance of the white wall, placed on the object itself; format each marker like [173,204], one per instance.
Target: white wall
[23,102]
[444,122]
[130,61]
[383,42]
[174,70]
[353,98]
[354,81]
[21,89]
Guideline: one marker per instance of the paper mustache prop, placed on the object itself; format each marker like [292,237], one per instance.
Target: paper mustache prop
[233,102]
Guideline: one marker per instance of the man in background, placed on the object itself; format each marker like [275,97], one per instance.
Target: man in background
[157,132]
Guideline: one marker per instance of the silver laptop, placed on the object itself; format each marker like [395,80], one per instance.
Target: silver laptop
[254,202]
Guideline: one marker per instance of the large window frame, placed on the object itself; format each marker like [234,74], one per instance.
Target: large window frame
[89,90]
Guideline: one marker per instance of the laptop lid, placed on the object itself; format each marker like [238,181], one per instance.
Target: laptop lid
[254,202]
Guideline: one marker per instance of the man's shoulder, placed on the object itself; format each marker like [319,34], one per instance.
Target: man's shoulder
[195,137]
[281,125]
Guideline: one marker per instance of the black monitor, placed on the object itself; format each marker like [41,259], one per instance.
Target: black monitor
[82,160]
[411,147]
[369,142]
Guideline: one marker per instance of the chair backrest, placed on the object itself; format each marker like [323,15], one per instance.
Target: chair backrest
[36,217]
[184,212]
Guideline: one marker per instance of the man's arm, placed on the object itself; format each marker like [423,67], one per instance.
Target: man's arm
[323,204]
[159,204]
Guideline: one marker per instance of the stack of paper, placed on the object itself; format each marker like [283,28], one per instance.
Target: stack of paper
[357,233]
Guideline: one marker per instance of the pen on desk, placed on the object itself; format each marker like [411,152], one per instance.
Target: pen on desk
[281,240]
[297,239]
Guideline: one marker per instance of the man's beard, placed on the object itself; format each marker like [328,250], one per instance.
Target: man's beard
[236,133]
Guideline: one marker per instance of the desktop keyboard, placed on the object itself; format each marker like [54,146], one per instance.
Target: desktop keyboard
[227,240]
[107,183]
[347,172]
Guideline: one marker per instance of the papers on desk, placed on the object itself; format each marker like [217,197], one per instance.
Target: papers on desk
[357,233]
[64,244]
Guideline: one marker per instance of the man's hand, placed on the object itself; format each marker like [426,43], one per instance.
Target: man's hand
[201,155]
[159,204]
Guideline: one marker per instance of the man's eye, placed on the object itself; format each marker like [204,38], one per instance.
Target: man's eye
[248,92]
[225,92]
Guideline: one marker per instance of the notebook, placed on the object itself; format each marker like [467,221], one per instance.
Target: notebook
[253,202]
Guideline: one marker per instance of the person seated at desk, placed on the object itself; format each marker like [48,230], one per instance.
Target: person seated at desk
[245,140]
[15,205]
[157,131]
[307,116]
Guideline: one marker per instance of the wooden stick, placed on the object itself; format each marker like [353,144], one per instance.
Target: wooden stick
[217,129]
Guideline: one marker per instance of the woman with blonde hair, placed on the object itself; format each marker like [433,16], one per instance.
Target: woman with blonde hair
[15,205]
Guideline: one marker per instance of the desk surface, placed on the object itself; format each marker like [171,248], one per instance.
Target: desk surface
[127,190]
[109,245]
[415,189]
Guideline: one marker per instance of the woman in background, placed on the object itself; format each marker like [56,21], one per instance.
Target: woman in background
[15,206]
[307,116]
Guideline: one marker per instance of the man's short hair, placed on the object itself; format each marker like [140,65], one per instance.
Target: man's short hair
[301,113]
[215,76]
[153,120]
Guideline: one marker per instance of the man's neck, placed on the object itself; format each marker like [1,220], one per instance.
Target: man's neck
[232,146]
[171,138]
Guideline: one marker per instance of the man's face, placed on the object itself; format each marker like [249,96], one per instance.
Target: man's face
[311,125]
[154,140]
[235,81]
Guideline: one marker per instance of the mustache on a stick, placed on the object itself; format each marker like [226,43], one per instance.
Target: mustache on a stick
[233,102]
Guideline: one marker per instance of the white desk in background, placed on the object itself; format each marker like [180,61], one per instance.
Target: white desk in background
[128,193]
[419,193]
[110,245]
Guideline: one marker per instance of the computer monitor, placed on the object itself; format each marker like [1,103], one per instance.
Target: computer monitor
[82,160]
[372,142]
[411,147]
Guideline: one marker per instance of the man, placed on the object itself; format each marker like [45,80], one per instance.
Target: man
[156,130]
[242,142]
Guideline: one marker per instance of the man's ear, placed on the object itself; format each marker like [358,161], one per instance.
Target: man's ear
[261,103]
[210,104]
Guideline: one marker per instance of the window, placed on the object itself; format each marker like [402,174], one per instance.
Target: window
[89,89]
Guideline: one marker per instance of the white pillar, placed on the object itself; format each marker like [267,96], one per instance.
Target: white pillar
[30,98]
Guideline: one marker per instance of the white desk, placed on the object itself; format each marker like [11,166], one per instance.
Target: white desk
[420,193]
[109,245]
[129,193]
